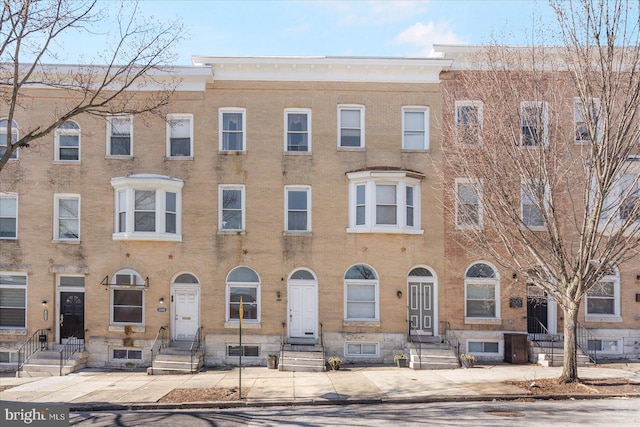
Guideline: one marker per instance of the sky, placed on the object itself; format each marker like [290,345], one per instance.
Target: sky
[335,28]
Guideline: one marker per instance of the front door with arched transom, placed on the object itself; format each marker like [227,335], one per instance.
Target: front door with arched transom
[71,315]
[421,286]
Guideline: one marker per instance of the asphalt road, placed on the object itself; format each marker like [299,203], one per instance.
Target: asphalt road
[604,412]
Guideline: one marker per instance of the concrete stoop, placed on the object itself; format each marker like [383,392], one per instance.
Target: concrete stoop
[432,356]
[176,360]
[302,358]
[46,363]
[553,356]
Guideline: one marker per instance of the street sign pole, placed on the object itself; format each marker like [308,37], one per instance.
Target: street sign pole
[240,363]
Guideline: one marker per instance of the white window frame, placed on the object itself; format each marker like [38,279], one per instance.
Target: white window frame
[24,287]
[13,196]
[297,188]
[351,107]
[482,281]
[370,180]
[124,191]
[478,105]
[375,283]
[619,344]
[526,196]
[500,351]
[59,132]
[221,223]
[361,344]
[614,279]
[12,356]
[109,135]
[16,136]
[254,285]
[136,283]
[112,357]
[579,119]
[221,131]
[307,112]
[425,124]
[176,117]
[57,199]
[545,122]
[476,185]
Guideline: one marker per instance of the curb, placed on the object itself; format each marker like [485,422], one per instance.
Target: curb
[315,402]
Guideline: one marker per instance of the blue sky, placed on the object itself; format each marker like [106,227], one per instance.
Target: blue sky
[335,28]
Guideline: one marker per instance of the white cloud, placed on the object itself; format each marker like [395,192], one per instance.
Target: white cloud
[421,37]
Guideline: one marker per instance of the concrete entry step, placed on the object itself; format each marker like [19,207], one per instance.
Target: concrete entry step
[302,358]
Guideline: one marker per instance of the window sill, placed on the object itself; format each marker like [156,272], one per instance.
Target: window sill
[482,321]
[151,237]
[365,323]
[120,328]
[171,158]
[15,331]
[297,153]
[245,324]
[468,227]
[413,150]
[67,162]
[9,239]
[109,156]
[297,233]
[351,148]
[233,232]
[374,230]
[603,319]
[232,152]
[66,242]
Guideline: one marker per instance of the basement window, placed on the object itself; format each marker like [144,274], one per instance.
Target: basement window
[361,349]
[247,351]
[126,354]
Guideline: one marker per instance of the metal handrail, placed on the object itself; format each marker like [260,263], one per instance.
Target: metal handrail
[450,337]
[195,347]
[284,325]
[539,330]
[419,349]
[158,343]
[583,337]
[322,341]
[31,346]
[71,347]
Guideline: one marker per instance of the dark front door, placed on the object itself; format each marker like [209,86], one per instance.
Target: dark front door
[71,315]
[537,315]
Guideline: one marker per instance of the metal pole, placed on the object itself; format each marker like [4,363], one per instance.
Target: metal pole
[241,313]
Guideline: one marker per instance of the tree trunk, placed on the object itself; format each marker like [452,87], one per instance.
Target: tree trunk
[570,364]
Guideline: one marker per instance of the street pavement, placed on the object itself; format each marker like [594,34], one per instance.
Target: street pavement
[93,389]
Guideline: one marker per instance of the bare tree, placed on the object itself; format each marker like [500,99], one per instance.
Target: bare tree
[548,147]
[136,57]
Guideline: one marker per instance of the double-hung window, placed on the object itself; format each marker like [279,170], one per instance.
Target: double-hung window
[534,120]
[415,128]
[482,292]
[534,202]
[243,283]
[127,298]
[297,123]
[361,299]
[67,142]
[297,208]
[8,216]
[66,226]
[468,203]
[603,299]
[231,211]
[148,207]
[13,300]
[232,129]
[384,202]
[468,122]
[351,126]
[586,120]
[120,136]
[179,135]
[4,141]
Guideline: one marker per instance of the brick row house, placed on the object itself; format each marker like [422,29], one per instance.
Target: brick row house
[307,188]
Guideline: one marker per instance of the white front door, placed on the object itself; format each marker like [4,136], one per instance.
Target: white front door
[302,311]
[185,314]
[421,311]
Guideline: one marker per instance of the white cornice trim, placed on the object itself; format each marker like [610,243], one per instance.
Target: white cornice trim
[343,69]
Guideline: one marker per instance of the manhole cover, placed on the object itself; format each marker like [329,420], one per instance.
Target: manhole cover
[510,414]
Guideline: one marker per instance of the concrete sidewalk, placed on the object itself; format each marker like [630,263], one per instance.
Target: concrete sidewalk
[95,389]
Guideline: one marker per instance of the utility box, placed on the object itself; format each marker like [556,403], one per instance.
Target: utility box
[515,349]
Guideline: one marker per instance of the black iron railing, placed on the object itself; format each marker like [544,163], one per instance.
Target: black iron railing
[542,337]
[450,337]
[38,341]
[159,343]
[583,337]
[322,341]
[71,347]
[196,345]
